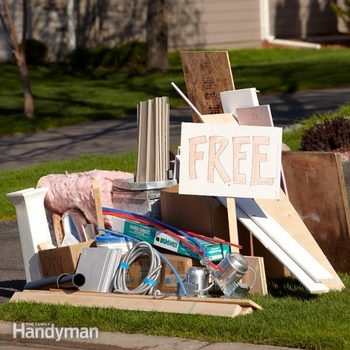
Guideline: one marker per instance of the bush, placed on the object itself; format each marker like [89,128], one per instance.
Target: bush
[129,54]
[35,51]
[328,136]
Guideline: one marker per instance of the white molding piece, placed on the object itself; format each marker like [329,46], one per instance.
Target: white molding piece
[285,241]
[278,252]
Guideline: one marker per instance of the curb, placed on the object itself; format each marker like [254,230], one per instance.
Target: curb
[122,341]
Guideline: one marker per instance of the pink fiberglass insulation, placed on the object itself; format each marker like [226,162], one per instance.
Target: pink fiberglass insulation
[67,191]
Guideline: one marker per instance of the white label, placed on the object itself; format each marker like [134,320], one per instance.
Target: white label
[163,240]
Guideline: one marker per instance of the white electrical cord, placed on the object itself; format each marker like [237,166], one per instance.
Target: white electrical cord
[250,287]
[148,284]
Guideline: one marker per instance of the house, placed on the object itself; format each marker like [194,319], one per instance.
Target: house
[192,23]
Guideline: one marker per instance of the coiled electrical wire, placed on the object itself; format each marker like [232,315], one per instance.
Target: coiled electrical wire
[148,284]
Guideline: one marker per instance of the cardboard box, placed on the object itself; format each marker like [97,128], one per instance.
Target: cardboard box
[62,260]
[201,214]
[167,283]
[207,216]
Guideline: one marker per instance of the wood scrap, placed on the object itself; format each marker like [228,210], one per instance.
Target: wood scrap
[173,304]
[98,205]
[257,279]
[206,75]
[58,229]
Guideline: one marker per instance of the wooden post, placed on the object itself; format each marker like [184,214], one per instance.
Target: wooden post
[98,206]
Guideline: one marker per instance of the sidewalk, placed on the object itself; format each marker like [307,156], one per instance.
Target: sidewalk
[121,341]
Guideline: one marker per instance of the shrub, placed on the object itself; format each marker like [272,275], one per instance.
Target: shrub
[328,136]
[129,54]
[35,51]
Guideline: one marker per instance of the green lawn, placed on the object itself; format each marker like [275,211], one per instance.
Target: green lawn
[15,180]
[290,317]
[65,97]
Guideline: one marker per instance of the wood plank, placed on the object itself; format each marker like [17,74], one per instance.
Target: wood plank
[194,306]
[232,223]
[98,205]
[310,177]
[142,142]
[206,75]
[58,229]
[257,279]
[165,297]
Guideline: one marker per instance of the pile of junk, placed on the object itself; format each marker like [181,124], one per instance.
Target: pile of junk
[131,251]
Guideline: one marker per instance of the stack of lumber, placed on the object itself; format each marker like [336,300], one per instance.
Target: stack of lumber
[153,139]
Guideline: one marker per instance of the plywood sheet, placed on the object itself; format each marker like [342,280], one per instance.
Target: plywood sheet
[206,75]
[317,192]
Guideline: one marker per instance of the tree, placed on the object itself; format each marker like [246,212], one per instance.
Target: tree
[7,21]
[157,35]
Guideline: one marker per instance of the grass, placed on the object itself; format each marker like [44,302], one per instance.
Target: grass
[65,97]
[290,317]
[15,180]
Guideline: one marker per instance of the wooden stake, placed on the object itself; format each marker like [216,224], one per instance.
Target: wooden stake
[58,230]
[98,206]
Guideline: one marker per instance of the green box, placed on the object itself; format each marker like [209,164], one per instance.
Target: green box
[159,238]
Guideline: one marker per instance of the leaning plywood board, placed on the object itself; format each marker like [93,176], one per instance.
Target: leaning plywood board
[138,303]
[283,212]
[206,75]
[311,176]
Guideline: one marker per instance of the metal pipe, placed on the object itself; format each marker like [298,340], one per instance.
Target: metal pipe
[64,281]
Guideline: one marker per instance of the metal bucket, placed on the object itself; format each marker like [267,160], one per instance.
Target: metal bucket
[139,197]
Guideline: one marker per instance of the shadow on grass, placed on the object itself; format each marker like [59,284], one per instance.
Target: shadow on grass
[289,287]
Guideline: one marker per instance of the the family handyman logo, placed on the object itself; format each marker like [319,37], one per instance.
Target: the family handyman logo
[51,332]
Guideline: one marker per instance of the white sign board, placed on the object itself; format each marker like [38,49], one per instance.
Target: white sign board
[230,161]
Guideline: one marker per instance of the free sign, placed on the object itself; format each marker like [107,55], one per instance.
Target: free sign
[230,161]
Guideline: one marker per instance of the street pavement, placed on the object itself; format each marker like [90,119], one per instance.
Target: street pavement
[113,137]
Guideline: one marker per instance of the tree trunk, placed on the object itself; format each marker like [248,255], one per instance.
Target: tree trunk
[27,94]
[18,51]
[157,35]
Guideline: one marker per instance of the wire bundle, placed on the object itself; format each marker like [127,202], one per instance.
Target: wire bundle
[148,284]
